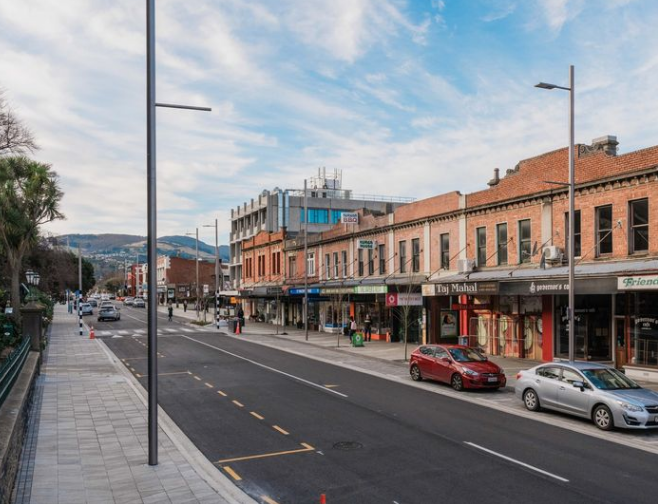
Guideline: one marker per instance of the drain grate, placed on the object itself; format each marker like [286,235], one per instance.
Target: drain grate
[348,446]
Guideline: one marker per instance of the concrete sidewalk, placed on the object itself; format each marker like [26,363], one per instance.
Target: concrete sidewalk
[87,440]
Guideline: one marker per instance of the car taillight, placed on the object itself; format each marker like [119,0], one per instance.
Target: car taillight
[518,376]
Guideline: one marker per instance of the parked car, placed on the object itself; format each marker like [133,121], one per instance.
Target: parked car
[128,301]
[589,390]
[106,303]
[108,313]
[86,309]
[460,366]
[139,303]
[92,302]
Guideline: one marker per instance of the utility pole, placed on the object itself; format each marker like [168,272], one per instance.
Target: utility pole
[217,271]
[306,263]
[79,288]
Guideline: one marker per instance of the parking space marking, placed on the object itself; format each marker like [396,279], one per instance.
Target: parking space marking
[307,448]
[238,403]
[282,431]
[221,393]
[253,413]
[232,473]
[197,378]
[522,464]
[209,385]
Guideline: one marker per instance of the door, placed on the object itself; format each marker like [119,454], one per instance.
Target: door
[572,399]
[425,362]
[547,382]
[442,365]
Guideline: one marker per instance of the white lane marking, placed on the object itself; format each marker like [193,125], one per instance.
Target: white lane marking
[266,367]
[170,330]
[184,329]
[123,331]
[523,464]
[104,333]
[140,331]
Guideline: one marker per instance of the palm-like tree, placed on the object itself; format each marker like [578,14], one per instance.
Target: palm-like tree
[29,197]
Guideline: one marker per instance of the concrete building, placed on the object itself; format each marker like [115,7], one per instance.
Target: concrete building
[272,211]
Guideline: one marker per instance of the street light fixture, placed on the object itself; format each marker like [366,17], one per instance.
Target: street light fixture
[572,211]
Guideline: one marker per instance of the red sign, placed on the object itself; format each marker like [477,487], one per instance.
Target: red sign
[391,299]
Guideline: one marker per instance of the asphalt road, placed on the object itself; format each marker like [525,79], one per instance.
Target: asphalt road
[287,429]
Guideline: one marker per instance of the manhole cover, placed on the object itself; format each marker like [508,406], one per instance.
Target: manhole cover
[348,446]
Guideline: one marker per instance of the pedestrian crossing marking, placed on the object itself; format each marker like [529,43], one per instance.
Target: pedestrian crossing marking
[140,331]
[170,330]
[104,333]
[123,331]
[184,329]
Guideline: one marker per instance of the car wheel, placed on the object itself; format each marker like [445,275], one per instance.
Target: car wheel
[415,373]
[531,400]
[457,382]
[602,418]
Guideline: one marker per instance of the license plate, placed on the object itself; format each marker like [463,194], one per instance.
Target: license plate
[492,379]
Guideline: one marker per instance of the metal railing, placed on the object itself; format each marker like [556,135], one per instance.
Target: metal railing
[11,368]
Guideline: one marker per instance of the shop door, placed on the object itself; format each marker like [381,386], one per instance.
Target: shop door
[593,337]
[620,339]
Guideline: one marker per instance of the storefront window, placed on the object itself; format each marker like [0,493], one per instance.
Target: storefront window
[593,318]
[644,331]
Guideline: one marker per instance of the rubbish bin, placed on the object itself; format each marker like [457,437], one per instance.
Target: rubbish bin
[463,340]
[357,340]
[231,324]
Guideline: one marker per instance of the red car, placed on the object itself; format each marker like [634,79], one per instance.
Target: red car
[460,366]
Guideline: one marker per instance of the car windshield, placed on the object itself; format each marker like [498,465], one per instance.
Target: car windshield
[609,379]
[466,355]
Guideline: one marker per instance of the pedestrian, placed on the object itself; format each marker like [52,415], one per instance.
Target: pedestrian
[184,305]
[368,327]
[170,309]
[241,315]
[352,327]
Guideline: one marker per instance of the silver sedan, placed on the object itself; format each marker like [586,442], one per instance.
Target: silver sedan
[589,390]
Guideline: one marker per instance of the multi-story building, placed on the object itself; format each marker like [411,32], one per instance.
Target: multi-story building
[283,209]
[178,275]
[491,265]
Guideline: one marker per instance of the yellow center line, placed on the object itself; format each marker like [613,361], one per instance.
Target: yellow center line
[257,415]
[268,500]
[233,474]
[209,385]
[282,431]
[197,378]
[237,403]
[332,386]
[307,448]
[221,393]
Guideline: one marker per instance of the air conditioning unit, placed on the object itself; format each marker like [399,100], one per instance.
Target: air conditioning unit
[465,265]
[553,254]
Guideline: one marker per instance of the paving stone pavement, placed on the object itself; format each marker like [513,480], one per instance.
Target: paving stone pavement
[89,440]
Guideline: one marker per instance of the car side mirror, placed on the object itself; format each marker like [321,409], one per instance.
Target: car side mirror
[579,384]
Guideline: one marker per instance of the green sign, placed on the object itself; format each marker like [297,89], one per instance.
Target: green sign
[357,340]
[367,244]
[371,289]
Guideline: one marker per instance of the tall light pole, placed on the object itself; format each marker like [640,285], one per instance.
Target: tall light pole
[152,237]
[80,289]
[306,262]
[197,272]
[217,271]
[572,211]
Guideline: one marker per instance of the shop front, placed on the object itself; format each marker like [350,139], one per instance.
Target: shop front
[362,302]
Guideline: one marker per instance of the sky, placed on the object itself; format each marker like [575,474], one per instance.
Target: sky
[406,97]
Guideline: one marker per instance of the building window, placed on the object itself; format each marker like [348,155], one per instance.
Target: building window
[603,230]
[371,262]
[343,255]
[292,267]
[415,255]
[382,259]
[403,256]
[481,241]
[335,216]
[360,257]
[445,251]
[311,264]
[316,216]
[525,241]
[335,264]
[576,233]
[327,266]
[501,243]
[639,226]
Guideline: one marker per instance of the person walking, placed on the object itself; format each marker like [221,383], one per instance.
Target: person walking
[184,305]
[170,310]
[352,327]
[368,328]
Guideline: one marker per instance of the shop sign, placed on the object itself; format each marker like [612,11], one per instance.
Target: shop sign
[162,289]
[336,290]
[367,244]
[206,289]
[371,289]
[273,291]
[171,293]
[606,285]
[297,292]
[646,324]
[404,299]
[349,218]
[647,282]
[233,300]
[457,288]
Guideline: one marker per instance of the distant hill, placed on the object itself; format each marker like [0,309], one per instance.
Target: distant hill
[120,246]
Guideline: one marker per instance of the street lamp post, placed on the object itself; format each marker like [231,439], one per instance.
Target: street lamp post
[306,262]
[572,211]
[217,271]
[196,261]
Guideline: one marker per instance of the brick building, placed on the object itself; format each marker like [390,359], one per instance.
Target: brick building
[491,264]
[179,274]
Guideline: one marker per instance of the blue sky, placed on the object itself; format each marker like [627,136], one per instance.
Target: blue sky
[407,98]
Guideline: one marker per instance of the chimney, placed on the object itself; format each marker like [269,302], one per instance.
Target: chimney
[494,181]
[607,144]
